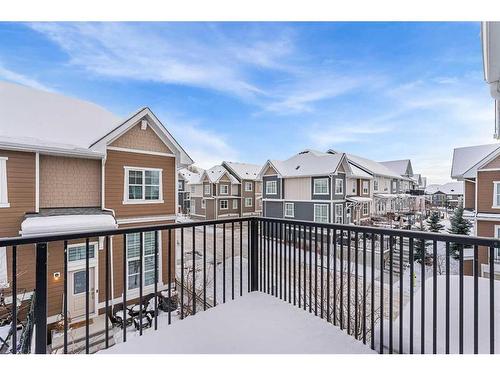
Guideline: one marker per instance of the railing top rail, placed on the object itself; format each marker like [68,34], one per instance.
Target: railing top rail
[460,239]
[444,237]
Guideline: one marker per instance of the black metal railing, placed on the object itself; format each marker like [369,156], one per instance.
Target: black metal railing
[398,291]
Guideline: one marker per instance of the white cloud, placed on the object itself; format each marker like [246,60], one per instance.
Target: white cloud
[22,79]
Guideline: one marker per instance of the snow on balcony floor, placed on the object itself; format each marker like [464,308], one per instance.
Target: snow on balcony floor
[253,324]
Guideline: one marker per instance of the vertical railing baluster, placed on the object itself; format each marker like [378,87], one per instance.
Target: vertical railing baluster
[461,301]
[294,265]
[285,263]
[356,317]
[193,251]
[223,262]
[391,259]
[250,241]
[401,280]
[447,300]
[215,264]
[107,281]
[261,256]
[492,300]
[476,299]
[411,260]
[87,295]
[205,267]
[334,276]
[271,256]
[182,273]
[290,264]
[241,258]
[65,300]
[372,304]
[156,282]
[300,267]
[124,302]
[14,300]
[281,259]
[310,269]
[141,278]
[434,297]
[232,260]
[341,291]
[381,294]
[169,273]
[277,241]
[364,288]
[321,274]
[328,319]
[348,282]
[315,270]
[422,300]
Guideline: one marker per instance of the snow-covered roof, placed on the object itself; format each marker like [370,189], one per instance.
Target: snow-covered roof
[309,163]
[215,173]
[35,225]
[400,167]
[189,176]
[371,166]
[465,158]
[450,188]
[244,171]
[357,199]
[359,173]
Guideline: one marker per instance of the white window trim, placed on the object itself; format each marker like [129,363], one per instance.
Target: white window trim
[375,185]
[235,204]
[337,216]
[366,206]
[126,199]
[220,204]
[205,189]
[4,193]
[203,203]
[341,185]
[367,185]
[248,199]
[227,189]
[321,205]
[289,204]
[315,192]
[273,183]
[496,185]
[146,288]
[78,264]
[248,183]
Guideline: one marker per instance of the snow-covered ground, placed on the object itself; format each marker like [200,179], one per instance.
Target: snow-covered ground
[253,324]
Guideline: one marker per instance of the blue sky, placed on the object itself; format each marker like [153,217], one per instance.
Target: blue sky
[257,91]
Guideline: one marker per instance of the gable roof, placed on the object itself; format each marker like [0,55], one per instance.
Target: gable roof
[243,171]
[56,123]
[368,165]
[467,159]
[359,173]
[401,167]
[215,173]
[450,188]
[308,163]
[189,176]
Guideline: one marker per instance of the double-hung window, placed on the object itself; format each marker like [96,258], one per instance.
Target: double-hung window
[206,189]
[223,204]
[496,194]
[289,210]
[203,203]
[339,186]
[321,213]
[366,208]
[375,185]
[134,259]
[248,186]
[143,185]
[271,187]
[224,189]
[339,214]
[394,186]
[4,197]
[320,186]
[365,187]
[235,204]
[248,202]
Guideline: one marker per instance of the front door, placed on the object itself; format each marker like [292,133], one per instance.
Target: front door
[76,293]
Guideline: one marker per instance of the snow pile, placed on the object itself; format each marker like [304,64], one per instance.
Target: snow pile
[66,223]
[255,323]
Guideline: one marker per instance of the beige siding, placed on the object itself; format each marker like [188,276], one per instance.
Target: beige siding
[485,191]
[298,188]
[69,182]
[139,139]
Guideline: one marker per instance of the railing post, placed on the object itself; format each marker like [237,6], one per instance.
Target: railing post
[254,274]
[41,299]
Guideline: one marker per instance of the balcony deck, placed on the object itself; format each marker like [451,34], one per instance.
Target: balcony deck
[253,324]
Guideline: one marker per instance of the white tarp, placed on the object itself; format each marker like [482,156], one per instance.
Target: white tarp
[66,223]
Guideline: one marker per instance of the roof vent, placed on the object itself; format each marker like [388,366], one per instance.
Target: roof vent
[144,124]
[304,152]
[297,167]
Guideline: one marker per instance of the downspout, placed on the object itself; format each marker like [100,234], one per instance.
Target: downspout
[103,163]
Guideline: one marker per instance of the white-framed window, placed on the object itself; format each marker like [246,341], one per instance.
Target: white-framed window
[224,189]
[206,189]
[248,186]
[497,249]
[4,196]
[365,187]
[354,187]
[339,186]
[289,209]
[321,213]
[248,202]
[366,208]
[192,206]
[235,204]
[339,213]
[496,194]
[394,185]
[271,187]
[223,204]
[375,185]
[348,215]
[193,189]
[320,186]
[180,185]
[148,259]
[203,203]
[77,252]
[143,185]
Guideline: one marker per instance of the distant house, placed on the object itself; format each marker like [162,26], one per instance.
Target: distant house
[478,169]
[250,186]
[450,195]
[186,178]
